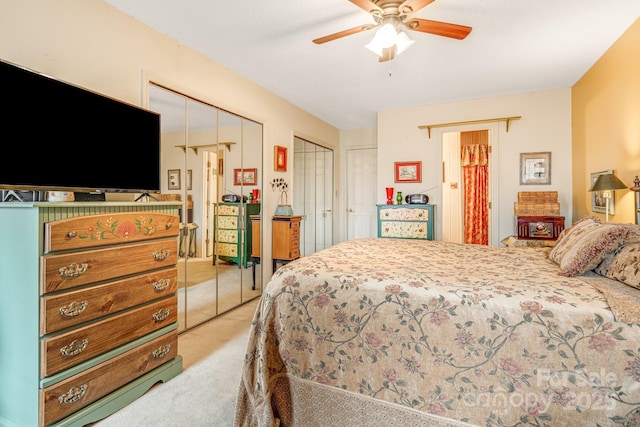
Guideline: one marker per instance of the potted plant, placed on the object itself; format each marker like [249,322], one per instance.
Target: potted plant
[283,209]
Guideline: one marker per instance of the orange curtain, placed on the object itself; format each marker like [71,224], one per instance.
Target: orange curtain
[475,166]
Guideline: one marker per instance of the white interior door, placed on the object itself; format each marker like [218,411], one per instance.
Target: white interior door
[313,195]
[452,188]
[361,173]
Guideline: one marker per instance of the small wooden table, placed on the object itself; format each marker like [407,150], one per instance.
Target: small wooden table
[285,239]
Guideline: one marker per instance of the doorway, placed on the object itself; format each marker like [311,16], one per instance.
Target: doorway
[467,186]
[361,175]
[313,194]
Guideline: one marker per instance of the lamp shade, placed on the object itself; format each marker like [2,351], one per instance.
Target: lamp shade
[607,182]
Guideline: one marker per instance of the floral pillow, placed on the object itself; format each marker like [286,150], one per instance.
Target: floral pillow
[565,240]
[623,265]
[585,245]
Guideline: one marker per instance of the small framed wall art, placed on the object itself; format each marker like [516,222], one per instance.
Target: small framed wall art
[173,179]
[535,168]
[280,158]
[245,176]
[408,171]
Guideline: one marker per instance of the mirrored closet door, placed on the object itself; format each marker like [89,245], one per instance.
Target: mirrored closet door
[212,161]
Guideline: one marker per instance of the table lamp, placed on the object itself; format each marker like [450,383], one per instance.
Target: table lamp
[607,182]
[636,190]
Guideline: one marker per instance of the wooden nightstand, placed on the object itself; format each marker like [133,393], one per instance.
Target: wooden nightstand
[285,239]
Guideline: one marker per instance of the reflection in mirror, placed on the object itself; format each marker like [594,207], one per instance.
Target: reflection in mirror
[202,147]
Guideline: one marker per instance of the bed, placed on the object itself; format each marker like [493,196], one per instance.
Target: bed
[395,332]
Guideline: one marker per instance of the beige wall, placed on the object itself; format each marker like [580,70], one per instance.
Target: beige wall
[93,45]
[545,126]
[606,124]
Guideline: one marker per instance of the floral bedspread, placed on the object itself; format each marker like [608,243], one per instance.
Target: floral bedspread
[491,336]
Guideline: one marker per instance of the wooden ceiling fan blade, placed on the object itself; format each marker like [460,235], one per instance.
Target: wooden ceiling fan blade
[344,33]
[388,53]
[438,28]
[411,6]
[367,5]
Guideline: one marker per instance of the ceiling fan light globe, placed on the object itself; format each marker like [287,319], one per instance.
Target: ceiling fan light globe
[403,42]
[386,35]
[375,48]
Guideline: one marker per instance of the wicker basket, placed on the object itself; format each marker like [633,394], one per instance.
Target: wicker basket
[537,203]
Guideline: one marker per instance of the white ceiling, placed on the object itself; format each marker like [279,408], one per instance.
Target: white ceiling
[515,46]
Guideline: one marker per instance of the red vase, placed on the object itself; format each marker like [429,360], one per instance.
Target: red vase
[255,193]
[389,191]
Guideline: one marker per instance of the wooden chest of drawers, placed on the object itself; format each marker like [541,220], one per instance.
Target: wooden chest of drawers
[89,308]
[285,242]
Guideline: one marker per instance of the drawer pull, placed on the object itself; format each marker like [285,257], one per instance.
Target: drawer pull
[161,351]
[161,314]
[73,270]
[74,308]
[74,348]
[73,395]
[161,255]
[161,284]
[72,234]
[168,225]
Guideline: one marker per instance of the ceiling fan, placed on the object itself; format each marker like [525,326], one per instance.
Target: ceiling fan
[389,16]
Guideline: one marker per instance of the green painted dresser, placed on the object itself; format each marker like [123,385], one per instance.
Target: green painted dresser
[88,314]
[406,221]
[232,230]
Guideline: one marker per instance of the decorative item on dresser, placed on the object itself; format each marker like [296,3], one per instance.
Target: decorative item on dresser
[286,239]
[406,221]
[95,297]
[389,193]
[232,232]
[283,208]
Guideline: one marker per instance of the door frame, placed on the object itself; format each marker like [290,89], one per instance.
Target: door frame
[494,179]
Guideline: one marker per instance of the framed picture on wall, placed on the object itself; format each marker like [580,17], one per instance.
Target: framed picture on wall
[245,176]
[598,202]
[280,158]
[173,179]
[408,171]
[535,168]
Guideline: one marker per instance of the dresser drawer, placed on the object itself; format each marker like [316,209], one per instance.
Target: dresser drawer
[72,394]
[404,229]
[406,214]
[226,249]
[228,236]
[231,210]
[68,270]
[70,348]
[108,229]
[74,307]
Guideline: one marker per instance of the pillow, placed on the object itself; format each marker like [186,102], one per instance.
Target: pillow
[622,265]
[584,247]
[569,236]
[633,235]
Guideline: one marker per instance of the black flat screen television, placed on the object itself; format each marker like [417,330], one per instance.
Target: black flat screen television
[60,137]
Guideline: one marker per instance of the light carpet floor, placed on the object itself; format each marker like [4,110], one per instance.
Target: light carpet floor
[203,395]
